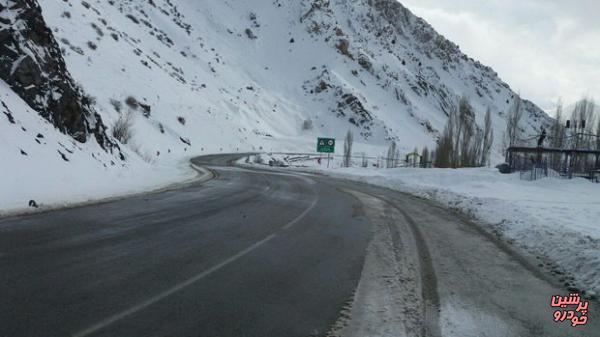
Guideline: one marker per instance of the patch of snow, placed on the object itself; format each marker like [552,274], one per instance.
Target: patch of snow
[457,319]
[554,219]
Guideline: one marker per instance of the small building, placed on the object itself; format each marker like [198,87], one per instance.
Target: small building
[413,159]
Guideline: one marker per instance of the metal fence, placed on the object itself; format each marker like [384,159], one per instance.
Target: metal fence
[358,159]
[529,169]
[576,154]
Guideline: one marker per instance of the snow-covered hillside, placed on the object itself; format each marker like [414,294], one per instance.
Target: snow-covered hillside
[248,74]
[199,77]
[51,168]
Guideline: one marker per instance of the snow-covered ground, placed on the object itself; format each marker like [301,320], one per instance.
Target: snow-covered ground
[555,219]
[57,187]
[52,169]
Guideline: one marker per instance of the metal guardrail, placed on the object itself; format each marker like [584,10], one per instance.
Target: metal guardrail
[357,156]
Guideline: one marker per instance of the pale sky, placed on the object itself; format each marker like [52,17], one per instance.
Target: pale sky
[544,49]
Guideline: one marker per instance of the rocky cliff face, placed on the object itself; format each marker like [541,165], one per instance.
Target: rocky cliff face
[32,64]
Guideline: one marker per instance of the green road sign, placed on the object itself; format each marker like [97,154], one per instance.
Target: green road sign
[326,145]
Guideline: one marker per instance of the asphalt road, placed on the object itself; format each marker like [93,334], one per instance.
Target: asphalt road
[256,253]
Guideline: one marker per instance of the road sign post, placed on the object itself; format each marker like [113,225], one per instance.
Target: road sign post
[326,145]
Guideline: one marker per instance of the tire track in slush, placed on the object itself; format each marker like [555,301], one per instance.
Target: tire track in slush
[429,294]
[431,300]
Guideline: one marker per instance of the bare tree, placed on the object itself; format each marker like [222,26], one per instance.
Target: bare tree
[468,137]
[347,160]
[425,157]
[464,153]
[461,127]
[584,112]
[488,138]
[598,136]
[598,144]
[461,144]
[513,119]
[557,137]
[391,155]
[475,151]
[445,144]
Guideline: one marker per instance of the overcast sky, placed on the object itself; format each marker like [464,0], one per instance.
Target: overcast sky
[544,49]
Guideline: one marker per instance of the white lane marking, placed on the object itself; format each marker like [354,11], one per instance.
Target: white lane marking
[110,320]
[293,222]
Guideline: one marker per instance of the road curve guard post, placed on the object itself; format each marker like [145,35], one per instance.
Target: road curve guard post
[326,145]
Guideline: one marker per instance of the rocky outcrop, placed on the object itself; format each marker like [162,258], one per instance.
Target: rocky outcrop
[32,64]
[387,46]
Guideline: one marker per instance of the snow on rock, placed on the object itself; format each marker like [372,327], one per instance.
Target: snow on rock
[32,64]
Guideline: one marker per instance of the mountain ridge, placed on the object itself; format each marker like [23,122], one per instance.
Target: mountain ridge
[272,75]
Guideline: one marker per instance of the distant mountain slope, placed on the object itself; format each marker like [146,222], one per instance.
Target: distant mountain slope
[249,74]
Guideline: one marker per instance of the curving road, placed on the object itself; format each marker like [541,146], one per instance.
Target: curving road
[263,253]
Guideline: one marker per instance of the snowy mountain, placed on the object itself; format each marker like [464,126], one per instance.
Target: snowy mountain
[197,77]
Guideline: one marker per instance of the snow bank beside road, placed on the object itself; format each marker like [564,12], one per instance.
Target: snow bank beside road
[557,220]
[57,186]
[41,164]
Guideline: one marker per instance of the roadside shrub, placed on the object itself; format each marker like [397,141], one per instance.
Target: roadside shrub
[122,129]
